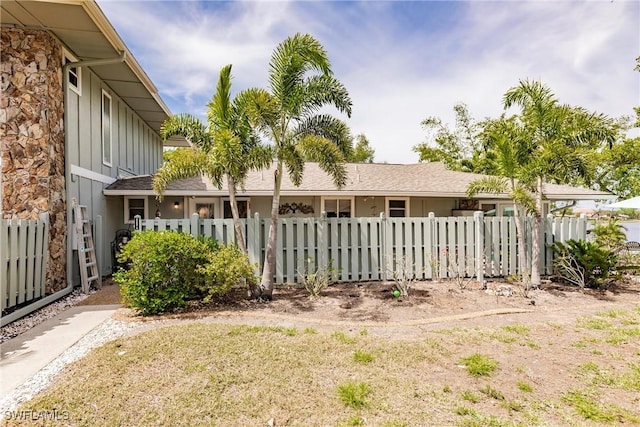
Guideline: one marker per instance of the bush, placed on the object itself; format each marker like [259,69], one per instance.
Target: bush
[583,263]
[165,270]
[226,268]
[609,234]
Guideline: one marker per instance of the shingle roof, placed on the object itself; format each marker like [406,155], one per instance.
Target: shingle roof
[420,179]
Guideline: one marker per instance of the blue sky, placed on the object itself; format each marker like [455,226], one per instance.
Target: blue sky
[401,61]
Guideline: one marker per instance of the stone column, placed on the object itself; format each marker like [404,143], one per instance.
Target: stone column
[32,137]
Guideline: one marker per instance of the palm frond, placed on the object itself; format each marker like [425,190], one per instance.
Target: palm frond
[260,109]
[327,155]
[188,126]
[325,90]
[219,112]
[291,60]
[489,185]
[184,164]
[294,162]
[522,197]
[328,127]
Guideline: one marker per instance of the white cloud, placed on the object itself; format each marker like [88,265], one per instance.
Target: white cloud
[401,61]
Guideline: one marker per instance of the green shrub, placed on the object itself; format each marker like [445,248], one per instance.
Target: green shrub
[226,268]
[164,270]
[609,234]
[583,263]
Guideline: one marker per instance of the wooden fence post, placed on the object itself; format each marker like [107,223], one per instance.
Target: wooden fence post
[254,247]
[194,227]
[323,241]
[383,246]
[478,217]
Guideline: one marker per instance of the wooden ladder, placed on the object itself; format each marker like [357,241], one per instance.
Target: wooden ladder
[86,250]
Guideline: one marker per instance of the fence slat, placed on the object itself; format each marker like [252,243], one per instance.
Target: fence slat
[4,264]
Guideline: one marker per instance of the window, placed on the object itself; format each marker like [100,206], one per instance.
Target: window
[398,208]
[134,206]
[106,128]
[74,74]
[243,209]
[338,208]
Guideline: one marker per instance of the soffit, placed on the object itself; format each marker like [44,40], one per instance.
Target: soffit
[84,29]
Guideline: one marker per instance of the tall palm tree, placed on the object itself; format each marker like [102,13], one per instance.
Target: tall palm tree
[561,141]
[301,83]
[227,147]
[509,151]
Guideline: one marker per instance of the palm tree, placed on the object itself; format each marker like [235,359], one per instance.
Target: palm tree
[561,141]
[226,147]
[300,84]
[508,152]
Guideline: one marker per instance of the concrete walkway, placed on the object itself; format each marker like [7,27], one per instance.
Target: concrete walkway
[23,356]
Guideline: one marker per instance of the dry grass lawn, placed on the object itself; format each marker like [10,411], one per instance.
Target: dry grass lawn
[238,375]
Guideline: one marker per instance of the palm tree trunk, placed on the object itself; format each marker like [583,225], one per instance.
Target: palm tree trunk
[265,290]
[535,250]
[236,216]
[517,217]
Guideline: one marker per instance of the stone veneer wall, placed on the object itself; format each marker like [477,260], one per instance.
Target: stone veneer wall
[32,137]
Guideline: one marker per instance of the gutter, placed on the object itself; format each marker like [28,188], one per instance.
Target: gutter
[67,163]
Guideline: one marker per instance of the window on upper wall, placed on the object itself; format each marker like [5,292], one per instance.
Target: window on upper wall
[74,74]
[106,128]
[338,208]
[134,206]
[398,208]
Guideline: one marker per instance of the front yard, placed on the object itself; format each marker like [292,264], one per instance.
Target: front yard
[294,362]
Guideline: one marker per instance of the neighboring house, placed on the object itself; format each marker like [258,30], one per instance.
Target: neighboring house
[412,190]
[77,112]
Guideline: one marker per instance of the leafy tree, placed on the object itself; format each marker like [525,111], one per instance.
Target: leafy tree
[619,168]
[362,152]
[227,147]
[301,83]
[460,149]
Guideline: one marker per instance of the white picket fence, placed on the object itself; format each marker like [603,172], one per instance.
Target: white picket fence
[24,253]
[362,249]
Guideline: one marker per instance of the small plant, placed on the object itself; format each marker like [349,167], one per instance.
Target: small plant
[526,387]
[517,329]
[353,421]
[470,396]
[362,357]
[315,280]
[354,394]
[403,274]
[464,411]
[343,338]
[492,393]
[446,388]
[457,271]
[583,263]
[480,365]
[310,331]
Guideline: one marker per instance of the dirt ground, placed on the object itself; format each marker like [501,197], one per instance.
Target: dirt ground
[429,305]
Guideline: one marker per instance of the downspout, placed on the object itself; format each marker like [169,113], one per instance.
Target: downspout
[67,164]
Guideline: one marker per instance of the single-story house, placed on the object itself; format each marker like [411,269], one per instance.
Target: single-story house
[412,190]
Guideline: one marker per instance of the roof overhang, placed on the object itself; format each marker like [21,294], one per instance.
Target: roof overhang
[85,30]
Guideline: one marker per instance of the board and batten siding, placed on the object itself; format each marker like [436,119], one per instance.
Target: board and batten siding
[136,149]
